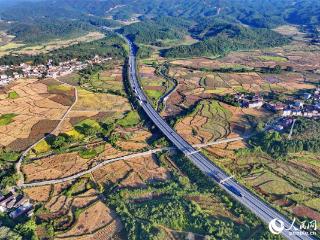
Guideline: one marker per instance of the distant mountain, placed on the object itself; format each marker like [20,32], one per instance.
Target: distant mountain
[253,13]
[257,13]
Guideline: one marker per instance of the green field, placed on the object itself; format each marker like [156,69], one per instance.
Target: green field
[59,87]
[131,119]
[273,58]
[89,153]
[6,119]
[13,95]
[154,94]
[72,79]
[42,147]
[89,122]
[109,81]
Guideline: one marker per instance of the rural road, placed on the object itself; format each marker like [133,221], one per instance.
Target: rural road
[126,157]
[232,187]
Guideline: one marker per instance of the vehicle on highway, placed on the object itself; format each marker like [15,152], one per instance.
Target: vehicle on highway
[234,190]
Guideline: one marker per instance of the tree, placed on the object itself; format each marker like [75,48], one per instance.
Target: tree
[277,69]
[26,229]
[7,233]
[87,130]
[58,142]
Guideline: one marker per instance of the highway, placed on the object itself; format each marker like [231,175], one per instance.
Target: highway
[232,187]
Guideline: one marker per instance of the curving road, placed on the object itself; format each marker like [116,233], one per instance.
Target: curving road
[20,182]
[112,160]
[233,188]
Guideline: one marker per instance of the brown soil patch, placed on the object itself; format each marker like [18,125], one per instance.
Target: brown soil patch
[59,203]
[225,150]
[133,139]
[38,194]
[86,224]
[132,173]
[303,211]
[38,131]
[64,100]
[66,164]
[85,199]
[56,166]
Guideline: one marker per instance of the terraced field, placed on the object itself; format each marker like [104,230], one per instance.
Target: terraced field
[69,206]
[208,121]
[291,185]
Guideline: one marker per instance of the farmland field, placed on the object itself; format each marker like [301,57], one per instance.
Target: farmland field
[104,87]
[30,116]
[12,47]
[290,185]
[108,102]
[155,86]
[109,80]
[209,121]
[70,205]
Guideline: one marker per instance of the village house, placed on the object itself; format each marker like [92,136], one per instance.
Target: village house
[296,112]
[283,123]
[23,209]
[48,70]
[5,200]
[3,77]
[275,107]
[15,204]
[307,96]
[286,112]
[255,104]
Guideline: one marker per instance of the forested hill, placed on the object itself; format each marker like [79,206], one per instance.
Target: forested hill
[161,28]
[259,13]
[44,19]
[225,38]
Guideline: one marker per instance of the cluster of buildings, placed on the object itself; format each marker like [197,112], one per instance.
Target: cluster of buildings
[281,124]
[15,204]
[249,101]
[24,70]
[307,105]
